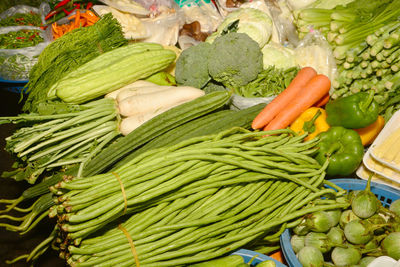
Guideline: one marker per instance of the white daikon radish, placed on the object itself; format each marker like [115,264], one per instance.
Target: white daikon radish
[140,104]
[136,84]
[131,123]
[149,89]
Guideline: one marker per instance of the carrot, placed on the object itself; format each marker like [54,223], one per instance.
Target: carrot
[77,19]
[278,255]
[80,20]
[322,101]
[280,102]
[314,90]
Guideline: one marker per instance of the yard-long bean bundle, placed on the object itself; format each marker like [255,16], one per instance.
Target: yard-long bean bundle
[190,202]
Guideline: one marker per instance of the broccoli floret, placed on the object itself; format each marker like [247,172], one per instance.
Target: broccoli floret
[235,60]
[191,66]
[213,86]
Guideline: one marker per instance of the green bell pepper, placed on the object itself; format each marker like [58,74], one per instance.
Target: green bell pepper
[343,148]
[355,111]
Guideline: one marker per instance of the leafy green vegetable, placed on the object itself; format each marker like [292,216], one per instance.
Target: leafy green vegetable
[277,55]
[62,134]
[256,23]
[328,4]
[69,52]
[270,82]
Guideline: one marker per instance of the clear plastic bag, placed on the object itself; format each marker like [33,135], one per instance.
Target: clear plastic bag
[239,102]
[314,51]
[15,64]
[43,9]
[283,22]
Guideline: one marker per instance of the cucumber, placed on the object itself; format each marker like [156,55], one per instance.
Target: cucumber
[155,127]
[171,137]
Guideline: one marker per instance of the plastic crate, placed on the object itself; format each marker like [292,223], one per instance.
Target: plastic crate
[385,194]
[247,255]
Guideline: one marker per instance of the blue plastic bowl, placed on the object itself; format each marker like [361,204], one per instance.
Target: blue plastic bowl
[249,254]
[385,194]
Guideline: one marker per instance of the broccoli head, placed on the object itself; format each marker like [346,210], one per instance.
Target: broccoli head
[213,86]
[235,60]
[191,66]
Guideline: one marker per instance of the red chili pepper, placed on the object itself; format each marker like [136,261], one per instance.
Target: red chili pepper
[50,14]
[68,12]
[20,38]
[89,5]
[62,3]
[77,5]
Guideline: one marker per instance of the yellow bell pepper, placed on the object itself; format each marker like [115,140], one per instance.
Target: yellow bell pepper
[313,121]
[369,133]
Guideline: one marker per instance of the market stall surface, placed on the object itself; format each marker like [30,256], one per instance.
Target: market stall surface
[11,243]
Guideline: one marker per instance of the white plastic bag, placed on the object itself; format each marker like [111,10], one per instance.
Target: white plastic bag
[205,13]
[164,28]
[315,51]
[239,102]
[128,6]
[132,27]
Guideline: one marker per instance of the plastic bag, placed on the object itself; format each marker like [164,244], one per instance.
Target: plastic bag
[15,64]
[43,9]
[185,41]
[164,23]
[283,22]
[204,12]
[156,6]
[128,6]
[163,29]
[132,27]
[239,102]
[315,51]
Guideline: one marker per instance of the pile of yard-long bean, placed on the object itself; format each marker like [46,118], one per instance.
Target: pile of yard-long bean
[191,202]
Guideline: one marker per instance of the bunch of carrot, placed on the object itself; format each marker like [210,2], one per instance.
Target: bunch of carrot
[307,89]
[80,19]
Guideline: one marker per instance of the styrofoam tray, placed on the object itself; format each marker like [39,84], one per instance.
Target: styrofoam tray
[364,173]
[383,170]
[391,126]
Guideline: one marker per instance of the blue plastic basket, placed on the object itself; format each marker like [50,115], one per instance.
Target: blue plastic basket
[247,255]
[13,86]
[385,194]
